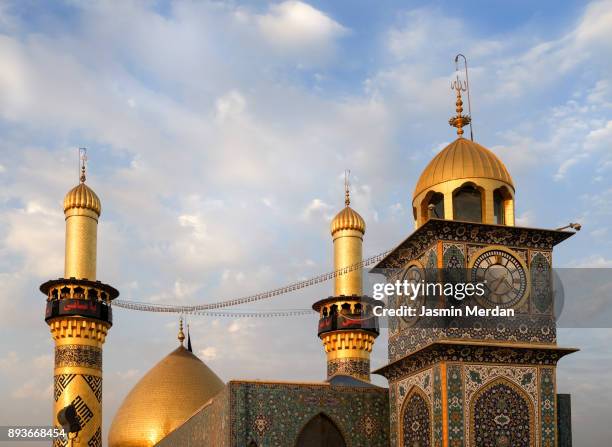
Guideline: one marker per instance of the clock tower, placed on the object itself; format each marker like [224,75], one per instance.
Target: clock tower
[473,380]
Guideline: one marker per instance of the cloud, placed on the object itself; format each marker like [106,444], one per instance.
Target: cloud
[565,166]
[208,353]
[34,234]
[36,385]
[298,27]
[600,139]
[525,219]
[230,105]
[196,225]
[593,261]
[33,389]
[43,362]
[234,327]
[414,38]
[128,374]
[9,361]
[532,69]
[316,207]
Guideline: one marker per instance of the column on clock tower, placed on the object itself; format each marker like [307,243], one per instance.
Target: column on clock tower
[79,316]
[347,326]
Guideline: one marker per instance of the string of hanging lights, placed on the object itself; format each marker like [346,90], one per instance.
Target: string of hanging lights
[209,309]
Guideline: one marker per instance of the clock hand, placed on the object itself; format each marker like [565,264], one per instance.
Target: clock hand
[507,283]
[495,285]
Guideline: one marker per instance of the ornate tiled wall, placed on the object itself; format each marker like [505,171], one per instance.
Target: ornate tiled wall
[403,340]
[497,400]
[534,321]
[272,414]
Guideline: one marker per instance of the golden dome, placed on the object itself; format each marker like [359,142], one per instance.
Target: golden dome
[462,159]
[163,399]
[348,219]
[82,196]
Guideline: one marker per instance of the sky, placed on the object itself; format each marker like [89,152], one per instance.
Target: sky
[218,134]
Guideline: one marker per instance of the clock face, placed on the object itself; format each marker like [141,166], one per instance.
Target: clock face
[413,275]
[504,276]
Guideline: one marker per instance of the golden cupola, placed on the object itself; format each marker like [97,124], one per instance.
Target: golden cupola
[464,181]
[346,324]
[348,219]
[82,196]
[163,399]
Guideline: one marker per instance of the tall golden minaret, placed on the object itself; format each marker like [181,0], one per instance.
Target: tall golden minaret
[79,315]
[347,326]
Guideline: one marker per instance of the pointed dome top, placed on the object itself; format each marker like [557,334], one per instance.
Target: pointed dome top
[163,399]
[348,219]
[82,196]
[462,159]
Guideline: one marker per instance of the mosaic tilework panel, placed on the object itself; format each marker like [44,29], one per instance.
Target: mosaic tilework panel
[502,416]
[399,390]
[479,377]
[470,354]
[453,262]
[534,328]
[354,367]
[437,407]
[547,407]
[273,414]
[209,427]
[416,420]
[454,391]
[541,285]
[475,233]
[429,261]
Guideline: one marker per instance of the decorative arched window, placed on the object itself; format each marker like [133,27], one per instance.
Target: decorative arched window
[437,200]
[499,212]
[467,204]
[319,431]
[502,416]
[416,420]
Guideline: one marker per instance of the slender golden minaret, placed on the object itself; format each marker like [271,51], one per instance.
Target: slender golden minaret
[347,326]
[79,316]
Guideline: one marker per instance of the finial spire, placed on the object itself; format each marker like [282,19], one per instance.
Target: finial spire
[189,348]
[82,161]
[347,192]
[467,85]
[459,120]
[181,335]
